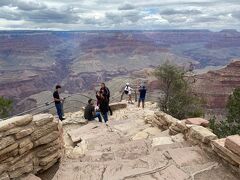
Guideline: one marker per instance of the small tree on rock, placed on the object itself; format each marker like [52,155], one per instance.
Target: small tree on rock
[5,107]
[178,100]
[231,125]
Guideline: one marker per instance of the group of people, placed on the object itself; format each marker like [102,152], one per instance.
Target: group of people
[102,107]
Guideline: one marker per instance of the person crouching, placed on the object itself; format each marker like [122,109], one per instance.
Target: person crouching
[90,112]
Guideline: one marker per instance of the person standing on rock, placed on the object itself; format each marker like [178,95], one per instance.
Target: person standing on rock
[128,91]
[90,112]
[58,102]
[142,94]
[106,93]
[104,107]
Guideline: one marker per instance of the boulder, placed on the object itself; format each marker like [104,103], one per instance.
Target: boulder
[202,134]
[24,133]
[6,142]
[233,144]
[197,121]
[42,119]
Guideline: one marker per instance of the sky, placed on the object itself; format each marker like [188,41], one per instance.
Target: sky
[119,14]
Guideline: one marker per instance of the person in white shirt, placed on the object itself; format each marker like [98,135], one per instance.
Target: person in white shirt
[128,91]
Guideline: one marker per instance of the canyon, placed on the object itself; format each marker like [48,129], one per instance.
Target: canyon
[33,62]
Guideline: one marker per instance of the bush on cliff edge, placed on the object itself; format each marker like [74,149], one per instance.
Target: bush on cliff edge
[178,100]
[5,107]
[231,125]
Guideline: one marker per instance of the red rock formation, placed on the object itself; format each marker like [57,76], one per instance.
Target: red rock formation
[216,86]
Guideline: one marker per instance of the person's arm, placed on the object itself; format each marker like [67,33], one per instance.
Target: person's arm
[93,111]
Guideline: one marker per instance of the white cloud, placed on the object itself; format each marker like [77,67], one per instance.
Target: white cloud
[115,14]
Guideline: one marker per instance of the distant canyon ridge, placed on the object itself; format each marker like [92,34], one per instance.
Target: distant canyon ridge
[34,61]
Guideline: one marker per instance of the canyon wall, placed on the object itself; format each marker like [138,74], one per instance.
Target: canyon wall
[216,86]
[29,144]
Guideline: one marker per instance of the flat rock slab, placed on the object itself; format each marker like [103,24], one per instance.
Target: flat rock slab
[197,121]
[158,141]
[169,173]
[233,144]
[85,131]
[152,131]
[189,156]
[219,173]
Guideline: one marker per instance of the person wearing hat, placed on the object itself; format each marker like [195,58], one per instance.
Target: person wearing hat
[128,91]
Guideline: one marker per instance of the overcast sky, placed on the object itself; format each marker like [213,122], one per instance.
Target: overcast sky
[119,14]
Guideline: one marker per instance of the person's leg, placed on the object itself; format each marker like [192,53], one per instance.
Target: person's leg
[105,117]
[62,109]
[59,111]
[143,103]
[109,108]
[98,115]
[139,101]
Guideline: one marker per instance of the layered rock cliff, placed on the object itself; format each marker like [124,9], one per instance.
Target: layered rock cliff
[216,86]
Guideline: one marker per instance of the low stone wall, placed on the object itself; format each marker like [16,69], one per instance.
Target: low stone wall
[117,106]
[194,132]
[28,144]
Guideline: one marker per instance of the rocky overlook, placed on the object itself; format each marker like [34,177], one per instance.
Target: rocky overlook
[139,144]
[136,144]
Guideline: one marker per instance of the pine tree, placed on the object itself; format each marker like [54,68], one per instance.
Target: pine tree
[178,100]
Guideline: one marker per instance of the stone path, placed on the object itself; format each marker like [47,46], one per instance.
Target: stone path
[129,149]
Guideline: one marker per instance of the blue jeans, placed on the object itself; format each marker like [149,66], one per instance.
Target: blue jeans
[105,116]
[59,110]
[98,115]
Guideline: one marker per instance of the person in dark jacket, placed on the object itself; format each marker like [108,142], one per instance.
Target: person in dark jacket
[104,107]
[58,102]
[106,93]
[90,112]
[142,94]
